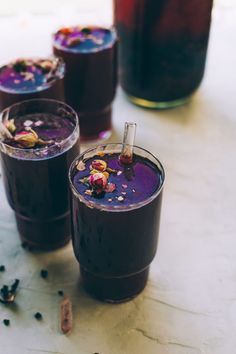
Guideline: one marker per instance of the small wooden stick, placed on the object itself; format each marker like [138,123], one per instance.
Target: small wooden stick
[66,315]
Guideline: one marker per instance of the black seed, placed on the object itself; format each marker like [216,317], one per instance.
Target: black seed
[44,273]
[24,245]
[86,30]
[4,291]
[14,286]
[6,322]
[60,293]
[2,268]
[20,66]
[38,316]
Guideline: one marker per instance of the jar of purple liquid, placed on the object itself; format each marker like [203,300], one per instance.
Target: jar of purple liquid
[116,223]
[35,158]
[162,49]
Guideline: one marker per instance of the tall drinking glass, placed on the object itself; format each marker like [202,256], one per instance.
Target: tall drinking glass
[42,141]
[116,213]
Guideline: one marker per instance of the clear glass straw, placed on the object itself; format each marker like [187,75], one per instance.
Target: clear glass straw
[126,156]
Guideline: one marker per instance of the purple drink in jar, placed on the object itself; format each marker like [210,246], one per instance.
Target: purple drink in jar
[116,214]
[28,78]
[90,55]
[35,157]
[163,46]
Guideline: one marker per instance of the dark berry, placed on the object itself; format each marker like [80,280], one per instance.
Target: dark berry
[38,316]
[2,268]
[86,30]
[44,273]
[6,322]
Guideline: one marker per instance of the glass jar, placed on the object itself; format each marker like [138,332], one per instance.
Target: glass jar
[163,46]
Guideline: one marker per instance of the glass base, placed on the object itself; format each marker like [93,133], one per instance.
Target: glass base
[158,105]
[114,289]
[45,235]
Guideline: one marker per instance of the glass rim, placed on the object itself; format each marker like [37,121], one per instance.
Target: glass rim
[33,151]
[60,73]
[109,45]
[116,208]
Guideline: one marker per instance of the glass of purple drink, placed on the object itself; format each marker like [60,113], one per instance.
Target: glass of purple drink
[29,78]
[41,141]
[90,55]
[162,49]
[116,212]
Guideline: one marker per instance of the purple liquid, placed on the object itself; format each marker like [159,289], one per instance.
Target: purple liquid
[37,188]
[89,54]
[84,39]
[48,127]
[30,78]
[116,246]
[135,183]
[163,46]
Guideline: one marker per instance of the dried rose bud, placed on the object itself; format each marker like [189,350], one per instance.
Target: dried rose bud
[98,181]
[45,66]
[27,139]
[65,30]
[99,165]
[92,172]
[72,42]
[106,174]
[10,125]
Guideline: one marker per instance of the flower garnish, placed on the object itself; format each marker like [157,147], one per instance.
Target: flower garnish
[106,174]
[45,66]
[29,139]
[110,187]
[10,125]
[65,31]
[28,76]
[72,42]
[99,165]
[111,170]
[100,153]
[94,39]
[81,166]
[98,181]
[120,198]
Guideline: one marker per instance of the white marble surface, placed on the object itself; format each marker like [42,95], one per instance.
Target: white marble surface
[189,304]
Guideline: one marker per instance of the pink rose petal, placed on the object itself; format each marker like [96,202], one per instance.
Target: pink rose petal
[110,187]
